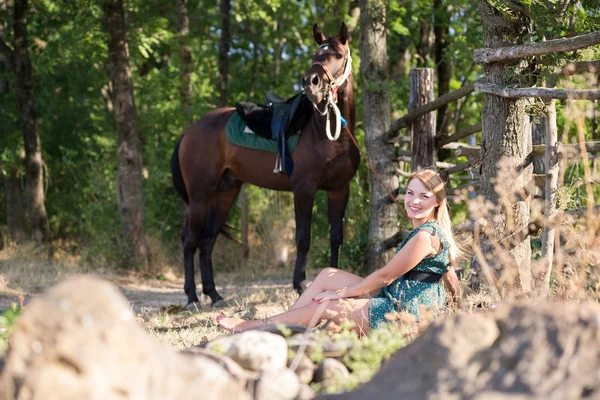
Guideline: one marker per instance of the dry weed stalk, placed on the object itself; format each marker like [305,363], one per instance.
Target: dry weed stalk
[576,259]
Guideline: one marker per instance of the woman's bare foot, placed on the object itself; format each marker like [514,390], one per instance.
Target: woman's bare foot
[230,323]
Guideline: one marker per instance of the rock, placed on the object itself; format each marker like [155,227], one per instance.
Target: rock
[277,384]
[305,342]
[258,351]
[535,351]
[329,370]
[220,345]
[305,393]
[232,368]
[303,367]
[80,341]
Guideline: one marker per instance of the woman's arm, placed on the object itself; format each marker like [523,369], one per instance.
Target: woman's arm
[417,248]
[452,283]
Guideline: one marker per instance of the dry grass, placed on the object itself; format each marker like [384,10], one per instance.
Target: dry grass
[156,293]
[25,269]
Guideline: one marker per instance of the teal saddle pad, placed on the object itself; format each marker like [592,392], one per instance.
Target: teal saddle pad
[236,135]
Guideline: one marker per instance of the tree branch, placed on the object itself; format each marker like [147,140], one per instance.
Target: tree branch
[568,148]
[579,67]
[427,108]
[444,140]
[504,54]
[542,93]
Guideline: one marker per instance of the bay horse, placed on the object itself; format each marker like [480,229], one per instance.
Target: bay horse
[208,171]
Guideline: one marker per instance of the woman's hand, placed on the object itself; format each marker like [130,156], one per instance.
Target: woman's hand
[330,295]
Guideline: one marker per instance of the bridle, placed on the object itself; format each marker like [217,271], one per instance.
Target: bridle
[331,95]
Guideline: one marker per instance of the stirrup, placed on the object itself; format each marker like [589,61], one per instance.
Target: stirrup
[278,167]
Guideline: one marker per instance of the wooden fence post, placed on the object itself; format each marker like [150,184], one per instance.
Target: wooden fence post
[551,188]
[422,129]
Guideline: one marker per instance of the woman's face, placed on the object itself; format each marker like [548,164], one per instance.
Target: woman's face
[419,202]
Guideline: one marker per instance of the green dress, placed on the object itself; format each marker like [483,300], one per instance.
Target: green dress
[408,295]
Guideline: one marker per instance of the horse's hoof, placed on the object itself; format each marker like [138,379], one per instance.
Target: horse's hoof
[219,304]
[301,287]
[193,306]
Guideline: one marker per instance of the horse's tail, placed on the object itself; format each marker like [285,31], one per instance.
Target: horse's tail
[178,182]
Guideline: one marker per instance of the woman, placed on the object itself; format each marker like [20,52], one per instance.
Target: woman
[411,279]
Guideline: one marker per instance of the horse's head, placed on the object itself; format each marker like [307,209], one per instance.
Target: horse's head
[331,66]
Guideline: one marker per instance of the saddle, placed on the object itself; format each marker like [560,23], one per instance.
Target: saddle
[277,119]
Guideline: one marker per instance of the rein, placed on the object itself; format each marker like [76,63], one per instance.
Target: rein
[331,97]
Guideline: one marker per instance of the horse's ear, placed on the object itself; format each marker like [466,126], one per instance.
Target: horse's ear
[343,33]
[319,37]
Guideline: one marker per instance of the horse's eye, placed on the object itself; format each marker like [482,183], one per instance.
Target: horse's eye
[339,56]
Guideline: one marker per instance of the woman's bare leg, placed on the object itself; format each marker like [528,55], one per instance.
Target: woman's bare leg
[356,310]
[328,279]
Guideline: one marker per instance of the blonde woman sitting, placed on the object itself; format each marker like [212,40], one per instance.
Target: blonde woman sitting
[411,279]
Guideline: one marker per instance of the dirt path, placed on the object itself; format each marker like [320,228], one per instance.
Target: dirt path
[142,299]
[154,296]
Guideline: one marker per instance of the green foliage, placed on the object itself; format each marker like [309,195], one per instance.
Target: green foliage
[7,323]
[271,45]
[364,361]
[366,354]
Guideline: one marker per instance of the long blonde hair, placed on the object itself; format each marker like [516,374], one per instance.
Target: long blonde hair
[434,183]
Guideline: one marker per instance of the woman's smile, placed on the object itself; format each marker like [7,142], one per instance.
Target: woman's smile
[420,203]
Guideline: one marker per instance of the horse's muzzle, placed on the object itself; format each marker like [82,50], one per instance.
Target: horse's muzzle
[313,87]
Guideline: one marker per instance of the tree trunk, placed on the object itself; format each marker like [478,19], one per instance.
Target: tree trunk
[400,61]
[253,70]
[185,53]
[424,49]
[224,53]
[34,165]
[353,15]
[506,143]
[278,48]
[373,70]
[129,149]
[422,129]
[441,27]
[15,207]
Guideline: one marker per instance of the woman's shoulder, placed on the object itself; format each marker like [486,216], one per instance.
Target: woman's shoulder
[433,228]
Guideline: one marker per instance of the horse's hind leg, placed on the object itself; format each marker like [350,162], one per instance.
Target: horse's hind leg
[336,208]
[218,211]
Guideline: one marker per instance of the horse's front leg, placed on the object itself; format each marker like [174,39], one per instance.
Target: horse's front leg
[189,242]
[303,205]
[336,208]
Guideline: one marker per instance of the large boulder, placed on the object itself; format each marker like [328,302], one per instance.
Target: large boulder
[80,341]
[534,351]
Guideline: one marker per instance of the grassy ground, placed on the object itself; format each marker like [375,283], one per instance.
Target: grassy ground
[156,296]
[255,291]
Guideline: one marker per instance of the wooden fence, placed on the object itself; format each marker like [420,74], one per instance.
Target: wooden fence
[421,131]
